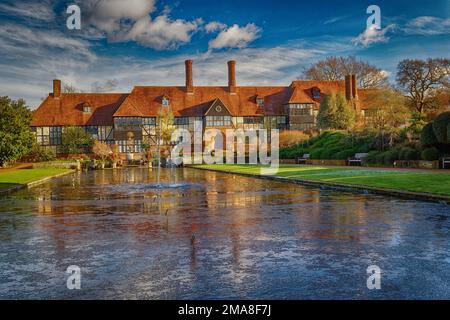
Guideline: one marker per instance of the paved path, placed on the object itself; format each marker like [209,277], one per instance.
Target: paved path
[17,167]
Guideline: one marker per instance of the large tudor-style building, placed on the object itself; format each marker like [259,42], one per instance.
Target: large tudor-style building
[109,117]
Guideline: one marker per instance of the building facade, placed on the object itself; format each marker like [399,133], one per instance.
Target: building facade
[111,117]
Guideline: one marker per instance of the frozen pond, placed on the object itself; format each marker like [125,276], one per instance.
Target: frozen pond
[208,235]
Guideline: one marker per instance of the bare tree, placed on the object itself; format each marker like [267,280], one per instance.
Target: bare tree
[68,88]
[336,68]
[422,81]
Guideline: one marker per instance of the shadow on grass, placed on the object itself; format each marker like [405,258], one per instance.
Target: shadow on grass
[5,187]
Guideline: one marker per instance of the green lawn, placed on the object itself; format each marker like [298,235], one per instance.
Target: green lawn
[23,176]
[425,182]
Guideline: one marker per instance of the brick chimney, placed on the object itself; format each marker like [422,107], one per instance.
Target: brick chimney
[232,76]
[56,88]
[348,87]
[354,87]
[189,81]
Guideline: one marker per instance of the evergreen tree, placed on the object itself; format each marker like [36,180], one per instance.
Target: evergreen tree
[16,138]
[335,113]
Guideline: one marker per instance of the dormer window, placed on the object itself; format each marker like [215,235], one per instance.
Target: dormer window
[87,108]
[316,93]
[165,102]
[260,101]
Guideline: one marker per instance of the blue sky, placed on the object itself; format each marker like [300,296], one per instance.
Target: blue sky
[145,42]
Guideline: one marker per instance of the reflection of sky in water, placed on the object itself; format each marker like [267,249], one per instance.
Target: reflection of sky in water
[212,235]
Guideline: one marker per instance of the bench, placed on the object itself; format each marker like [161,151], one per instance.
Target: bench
[356,159]
[303,159]
[445,161]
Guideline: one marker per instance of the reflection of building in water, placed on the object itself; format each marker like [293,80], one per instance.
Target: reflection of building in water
[44,203]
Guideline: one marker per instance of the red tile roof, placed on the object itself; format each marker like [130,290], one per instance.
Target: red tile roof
[145,101]
[68,109]
[303,90]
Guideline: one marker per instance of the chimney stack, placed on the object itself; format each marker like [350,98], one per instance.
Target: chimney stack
[348,87]
[189,81]
[232,76]
[354,87]
[56,88]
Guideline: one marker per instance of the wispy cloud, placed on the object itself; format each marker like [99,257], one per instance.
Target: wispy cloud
[428,25]
[335,19]
[41,10]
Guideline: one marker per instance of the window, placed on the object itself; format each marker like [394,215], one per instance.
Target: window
[300,105]
[127,123]
[275,122]
[181,121]
[316,93]
[165,102]
[55,134]
[248,120]
[105,134]
[149,121]
[218,121]
[87,109]
[43,135]
[133,146]
[260,101]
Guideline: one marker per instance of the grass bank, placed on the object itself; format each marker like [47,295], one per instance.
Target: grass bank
[405,181]
[23,177]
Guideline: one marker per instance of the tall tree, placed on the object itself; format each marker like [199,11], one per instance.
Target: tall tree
[387,109]
[422,80]
[16,138]
[387,113]
[335,113]
[336,68]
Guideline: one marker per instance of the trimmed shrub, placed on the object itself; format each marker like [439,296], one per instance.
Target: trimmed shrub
[430,154]
[41,154]
[427,137]
[379,158]
[329,152]
[316,154]
[344,155]
[390,156]
[407,153]
[440,125]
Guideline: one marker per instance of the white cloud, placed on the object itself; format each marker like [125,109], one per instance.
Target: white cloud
[235,37]
[427,25]
[214,26]
[41,10]
[372,35]
[161,33]
[131,21]
[33,58]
